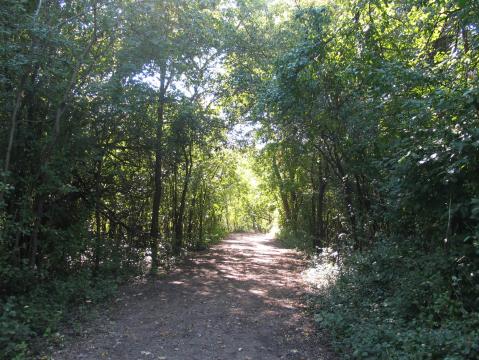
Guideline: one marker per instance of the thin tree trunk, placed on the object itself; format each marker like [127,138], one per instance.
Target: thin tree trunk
[98,238]
[181,209]
[282,192]
[201,215]
[36,231]
[157,191]
[13,126]
[18,101]
[319,212]
[189,231]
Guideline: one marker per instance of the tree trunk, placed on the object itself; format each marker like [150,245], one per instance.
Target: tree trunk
[181,210]
[282,192]
[157,191]
[319,213]
[34,241]
[98,235]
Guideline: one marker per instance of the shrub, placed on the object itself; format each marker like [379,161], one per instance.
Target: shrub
[394,301]
[39,312]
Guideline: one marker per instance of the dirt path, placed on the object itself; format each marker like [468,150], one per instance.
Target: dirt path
[239,301]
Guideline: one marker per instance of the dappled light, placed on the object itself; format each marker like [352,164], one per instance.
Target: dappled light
[243,294]
[239,179]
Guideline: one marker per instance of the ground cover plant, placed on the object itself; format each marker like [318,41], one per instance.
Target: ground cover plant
[133,133]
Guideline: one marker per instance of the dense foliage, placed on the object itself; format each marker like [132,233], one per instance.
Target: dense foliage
[113,151]
[368,114]
[116,156]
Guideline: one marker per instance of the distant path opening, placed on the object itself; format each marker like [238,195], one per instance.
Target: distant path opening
[241,300]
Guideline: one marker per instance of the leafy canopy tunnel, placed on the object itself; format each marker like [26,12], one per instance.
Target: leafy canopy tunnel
[362,119]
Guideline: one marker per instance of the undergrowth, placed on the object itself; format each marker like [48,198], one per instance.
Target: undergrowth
[42,304]
[296,239]
[36,316]
[397,302]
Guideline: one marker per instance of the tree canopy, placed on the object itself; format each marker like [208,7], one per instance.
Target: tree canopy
[133,132]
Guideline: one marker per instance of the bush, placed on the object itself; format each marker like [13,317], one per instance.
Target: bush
[39,312]
[296,239]
[14,333]
[395,301]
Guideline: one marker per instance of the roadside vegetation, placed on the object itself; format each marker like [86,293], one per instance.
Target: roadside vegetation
[369,114]
[360,123]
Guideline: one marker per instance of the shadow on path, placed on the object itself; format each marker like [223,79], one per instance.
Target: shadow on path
[241,300]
